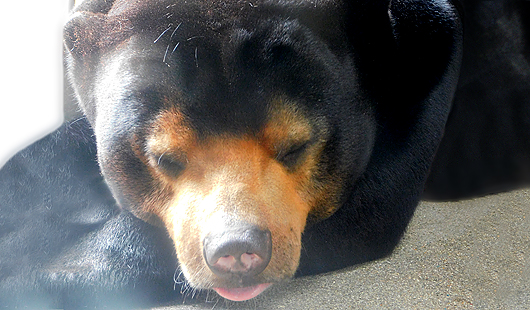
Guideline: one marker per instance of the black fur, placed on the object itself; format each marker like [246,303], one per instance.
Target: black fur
[64,241]
[486,146]
[384,75]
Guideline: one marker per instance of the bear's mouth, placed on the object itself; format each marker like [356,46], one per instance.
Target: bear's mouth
[242,293]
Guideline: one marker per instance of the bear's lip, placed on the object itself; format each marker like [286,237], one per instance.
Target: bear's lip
[242,293]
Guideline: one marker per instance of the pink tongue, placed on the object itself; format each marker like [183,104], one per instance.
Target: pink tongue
[242,293]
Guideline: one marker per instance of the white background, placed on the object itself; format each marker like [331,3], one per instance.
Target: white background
[31,78]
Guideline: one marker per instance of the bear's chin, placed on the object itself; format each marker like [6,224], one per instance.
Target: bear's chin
[242,293]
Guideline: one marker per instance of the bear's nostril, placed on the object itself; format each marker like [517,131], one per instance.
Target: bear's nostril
[241,249]
[247,263]
[248,260]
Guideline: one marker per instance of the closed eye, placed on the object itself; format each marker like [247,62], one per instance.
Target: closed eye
[293,155]
[169,165]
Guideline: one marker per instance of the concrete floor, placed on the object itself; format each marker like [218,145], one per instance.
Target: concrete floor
[472,254]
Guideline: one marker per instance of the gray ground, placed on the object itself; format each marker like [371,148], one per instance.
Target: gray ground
[472,254]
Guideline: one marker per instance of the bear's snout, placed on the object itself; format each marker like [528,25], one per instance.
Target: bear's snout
[241,250]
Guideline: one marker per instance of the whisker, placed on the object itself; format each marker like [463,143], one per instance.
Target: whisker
[177,45]
[194,37]
[77,120]
[165,54]
[173,33]
[194,292]
[184,289]
[175,279]
[163,33]
[212,299]
[215,305]
[160,158]
[196,59]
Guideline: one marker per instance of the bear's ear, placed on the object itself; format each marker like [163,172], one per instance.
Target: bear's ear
[94,6]
[426,34]
[81,34]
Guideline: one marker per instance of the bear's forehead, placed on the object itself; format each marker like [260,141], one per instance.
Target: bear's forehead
[214,15]
[204,59]
[224,9]
[234,92]
[201,13]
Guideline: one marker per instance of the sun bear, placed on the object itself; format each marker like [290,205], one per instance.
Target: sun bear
[232,145]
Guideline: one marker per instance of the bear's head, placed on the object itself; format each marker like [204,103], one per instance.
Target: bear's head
[231,124]
[260,132]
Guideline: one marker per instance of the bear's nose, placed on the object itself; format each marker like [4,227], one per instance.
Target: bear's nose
[243,250]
